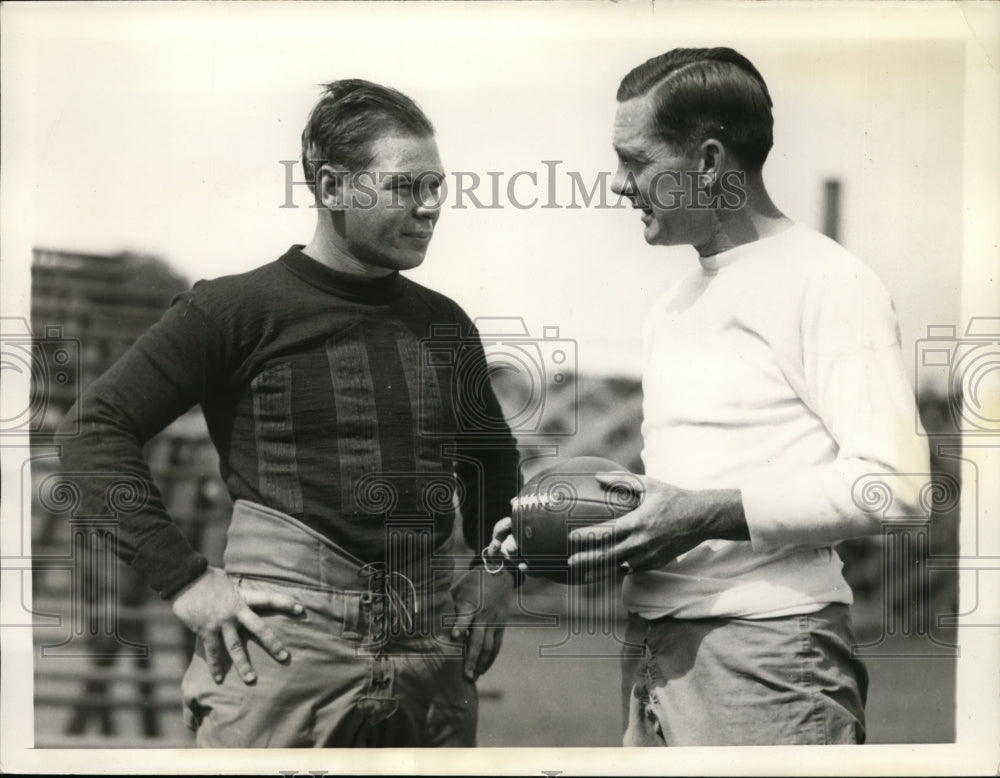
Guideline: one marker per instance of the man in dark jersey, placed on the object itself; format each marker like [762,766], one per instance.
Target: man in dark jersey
[335,621]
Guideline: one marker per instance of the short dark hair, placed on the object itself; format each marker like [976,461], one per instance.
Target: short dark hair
[702,93]
[350,115]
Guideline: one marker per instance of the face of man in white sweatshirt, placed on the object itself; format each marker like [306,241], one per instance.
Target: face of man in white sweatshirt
[659,179]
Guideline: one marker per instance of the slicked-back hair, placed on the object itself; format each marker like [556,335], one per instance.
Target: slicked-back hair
[351,114]
[703,93]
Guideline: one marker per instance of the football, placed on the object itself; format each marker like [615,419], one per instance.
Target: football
[562,498]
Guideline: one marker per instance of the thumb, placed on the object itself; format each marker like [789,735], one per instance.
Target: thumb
[502,528]
[623,487]
[619,477]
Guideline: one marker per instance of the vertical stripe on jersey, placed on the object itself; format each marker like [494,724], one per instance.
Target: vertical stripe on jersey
[425,399]
[395,412]
[358,445]
[277,470]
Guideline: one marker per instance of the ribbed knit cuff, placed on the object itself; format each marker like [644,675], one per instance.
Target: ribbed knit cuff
[168,563]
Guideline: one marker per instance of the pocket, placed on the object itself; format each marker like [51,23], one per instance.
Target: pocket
[251,583]
[839,680]
[453,726]
[192,689]
[201,695]
[453,715]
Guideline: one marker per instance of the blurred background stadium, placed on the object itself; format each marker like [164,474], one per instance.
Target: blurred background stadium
[112,653]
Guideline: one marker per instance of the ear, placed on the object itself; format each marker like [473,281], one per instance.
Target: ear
[711,161]
[331,185]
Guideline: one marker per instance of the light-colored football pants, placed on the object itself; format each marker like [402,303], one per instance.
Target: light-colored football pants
[371,660]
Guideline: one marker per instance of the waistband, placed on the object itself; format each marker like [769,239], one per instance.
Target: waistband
[834,611]
[266,543]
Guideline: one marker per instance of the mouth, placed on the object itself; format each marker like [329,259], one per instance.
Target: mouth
[647,213]
[423,235]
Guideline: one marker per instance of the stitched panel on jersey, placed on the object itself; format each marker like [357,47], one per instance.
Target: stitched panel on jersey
[425,396]
[357,420]
[276,464]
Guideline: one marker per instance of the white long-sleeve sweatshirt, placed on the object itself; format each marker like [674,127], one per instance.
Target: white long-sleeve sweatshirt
[775,369]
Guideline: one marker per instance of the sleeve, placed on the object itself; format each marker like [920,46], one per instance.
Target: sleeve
[487,461]
[168,370]
[855,382]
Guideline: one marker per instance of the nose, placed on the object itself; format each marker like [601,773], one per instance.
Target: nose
[428,209]
[428,201]
[621,183]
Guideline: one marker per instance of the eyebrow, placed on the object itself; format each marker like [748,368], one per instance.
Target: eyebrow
[632,154]
[407,177]
[396,178]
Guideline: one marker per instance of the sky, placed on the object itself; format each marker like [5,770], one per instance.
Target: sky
[164,132]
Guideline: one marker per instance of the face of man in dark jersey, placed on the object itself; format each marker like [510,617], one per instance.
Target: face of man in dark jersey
[388,211]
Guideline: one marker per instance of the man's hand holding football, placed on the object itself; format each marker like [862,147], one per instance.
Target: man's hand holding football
[669,522]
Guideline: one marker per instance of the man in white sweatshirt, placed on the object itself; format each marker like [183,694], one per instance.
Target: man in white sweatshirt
[774,399]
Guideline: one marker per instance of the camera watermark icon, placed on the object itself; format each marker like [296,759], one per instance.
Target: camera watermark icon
[969,365]
[50,366]
[906,504]
[535,368]
[94,619]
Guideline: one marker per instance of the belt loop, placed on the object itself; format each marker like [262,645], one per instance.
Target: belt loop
[352,614]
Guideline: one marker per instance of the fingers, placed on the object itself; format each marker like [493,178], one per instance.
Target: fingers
[599,552]
[264,600]
[509,548]
[462,622]
[493,639]
[267,636]
[630,555]
[501,533]
[213,654]
[602,534]
[606,547]
[473,649]
[234,646]
[593,569]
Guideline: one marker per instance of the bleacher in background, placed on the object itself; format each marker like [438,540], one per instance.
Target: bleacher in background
[108,652]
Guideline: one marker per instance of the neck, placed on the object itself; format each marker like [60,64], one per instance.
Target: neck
[327,248]
[757,218]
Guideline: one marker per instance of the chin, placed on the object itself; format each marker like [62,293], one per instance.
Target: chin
[665,239]
[656,237]
[408,263]
[411,261]
[401,261]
